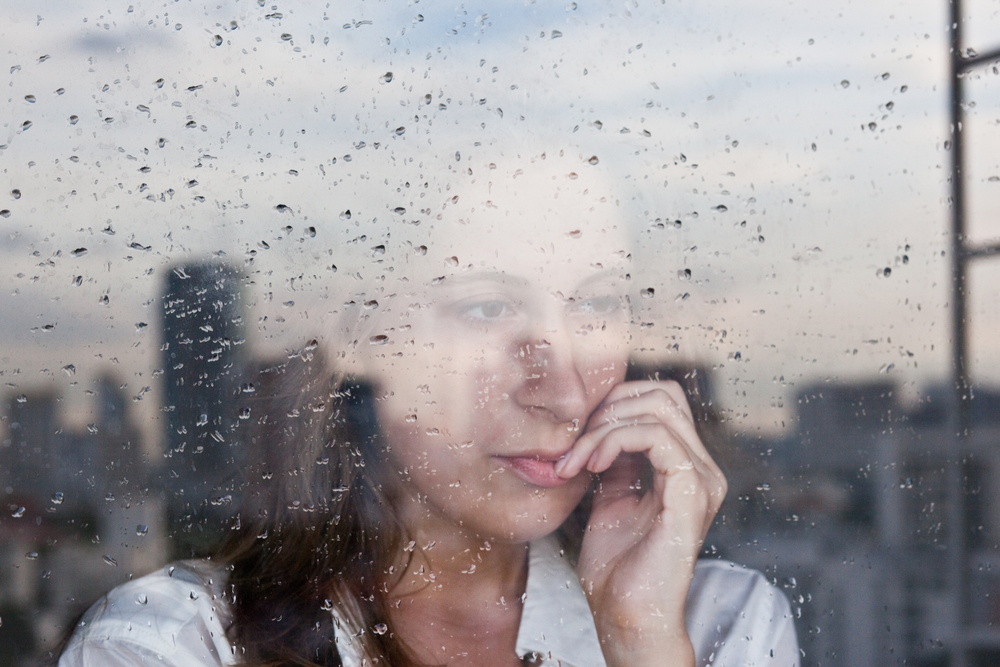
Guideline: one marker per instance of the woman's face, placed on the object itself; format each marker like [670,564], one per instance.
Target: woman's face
[498,348]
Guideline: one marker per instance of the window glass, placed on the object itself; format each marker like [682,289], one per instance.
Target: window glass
[192,195]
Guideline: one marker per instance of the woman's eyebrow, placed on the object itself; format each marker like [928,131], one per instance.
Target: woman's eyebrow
[498,277]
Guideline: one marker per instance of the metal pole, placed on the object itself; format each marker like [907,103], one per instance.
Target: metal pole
[959,414]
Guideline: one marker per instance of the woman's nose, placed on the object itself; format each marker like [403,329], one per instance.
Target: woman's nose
[553,381]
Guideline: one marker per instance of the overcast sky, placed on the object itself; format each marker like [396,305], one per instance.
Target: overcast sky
[801,144]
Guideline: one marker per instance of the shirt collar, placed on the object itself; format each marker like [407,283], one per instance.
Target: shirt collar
[556,621]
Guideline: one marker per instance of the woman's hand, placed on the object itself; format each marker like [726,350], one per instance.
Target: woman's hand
[641,544]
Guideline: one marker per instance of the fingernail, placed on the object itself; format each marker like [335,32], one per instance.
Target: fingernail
[561,463]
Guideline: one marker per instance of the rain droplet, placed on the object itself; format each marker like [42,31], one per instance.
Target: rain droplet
[57,498]
[5,213]
[452,261]
[346,215]
[593,159]
[845,83]
[311,232]
[79,252]
[31,555]
[400,131]
[69,370]
[647,293]
[386,78]
[721,208]
[15,193]
[18,513]
[684,274]
[399,210]
[141,599]
[903,89]
[110,561]
[872,125]
[141,529]
[555,34]
[25,125]
[30,99]
[380,628]
[285,37]
[887,272]
[885,76]
[281,208]
[217,40]
[380,339]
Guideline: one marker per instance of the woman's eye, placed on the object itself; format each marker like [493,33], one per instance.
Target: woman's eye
[488,310]
[599,305]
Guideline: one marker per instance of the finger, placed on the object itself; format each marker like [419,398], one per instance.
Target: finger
[637,388]
[665,400]
[665,449]
[579,456]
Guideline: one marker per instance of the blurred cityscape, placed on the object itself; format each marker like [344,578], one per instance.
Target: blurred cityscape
[847,514]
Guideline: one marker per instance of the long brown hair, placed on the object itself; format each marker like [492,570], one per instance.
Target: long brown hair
[317,531]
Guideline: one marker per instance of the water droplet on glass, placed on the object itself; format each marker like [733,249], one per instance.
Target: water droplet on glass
[109,560]
[555,34]
[452,261]
[399,210]
[380,628]
[285,37]
[57,498]
[845,83]
[74,119]
[141,529]
[15,193]
[79,252]
[217,39]
[386,78]
[885,76]
[684,274]
[31,555]
[30,99]
[593,159]
[5,213]
[380,339]
[346,215]
[886,272]
[25,125]
[647,293]
[311,232]
[18,513]
[721,208]
[400,131]
[141,599]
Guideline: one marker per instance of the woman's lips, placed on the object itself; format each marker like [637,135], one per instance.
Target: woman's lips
[533,471]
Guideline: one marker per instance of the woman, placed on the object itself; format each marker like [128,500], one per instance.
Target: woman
[477,484]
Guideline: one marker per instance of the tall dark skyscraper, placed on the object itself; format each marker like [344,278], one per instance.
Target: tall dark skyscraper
[203,365]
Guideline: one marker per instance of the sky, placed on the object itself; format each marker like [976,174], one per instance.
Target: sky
[801,145]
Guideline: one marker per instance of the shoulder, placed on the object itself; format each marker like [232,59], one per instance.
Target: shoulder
[736,617]
[174,616]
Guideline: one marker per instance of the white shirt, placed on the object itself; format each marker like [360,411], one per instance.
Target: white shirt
[177,617]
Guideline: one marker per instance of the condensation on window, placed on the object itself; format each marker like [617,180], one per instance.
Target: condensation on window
[193,197]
